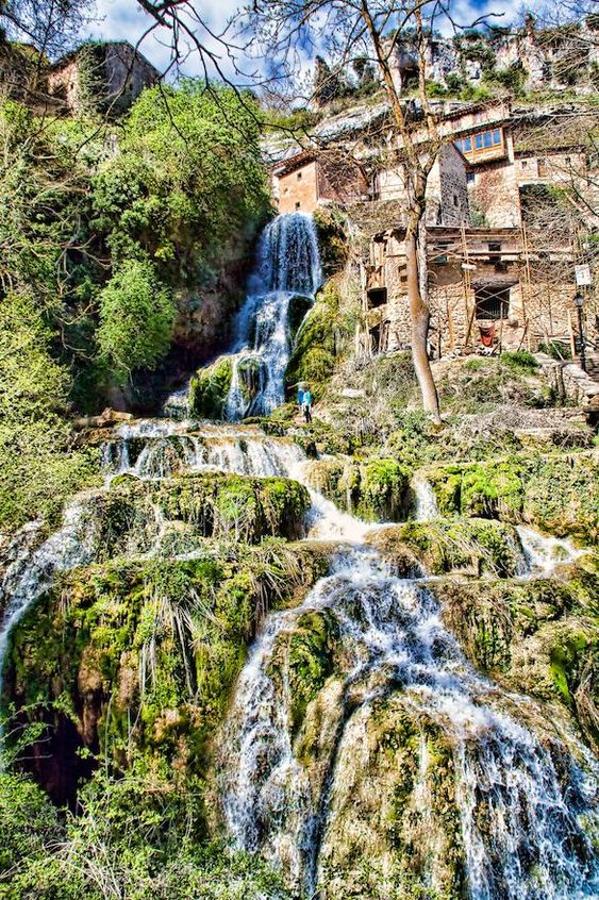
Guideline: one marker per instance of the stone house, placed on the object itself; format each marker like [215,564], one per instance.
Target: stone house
[307,179]
[105,76]
[488,288]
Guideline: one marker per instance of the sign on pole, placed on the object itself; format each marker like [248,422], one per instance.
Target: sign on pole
[583,275]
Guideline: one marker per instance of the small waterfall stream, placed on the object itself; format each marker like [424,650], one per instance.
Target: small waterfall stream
[288,266]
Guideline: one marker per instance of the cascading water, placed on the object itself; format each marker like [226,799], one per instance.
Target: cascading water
[288,266]
[390,634]
[518,816]
[425,500]
[520,831]
[33,568]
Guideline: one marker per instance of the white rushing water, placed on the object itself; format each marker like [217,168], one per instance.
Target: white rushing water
[426,503]
[288,267]
[390,632]
[33,568]
[522,839]
[519,821]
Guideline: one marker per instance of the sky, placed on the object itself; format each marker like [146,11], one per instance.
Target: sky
[124,20]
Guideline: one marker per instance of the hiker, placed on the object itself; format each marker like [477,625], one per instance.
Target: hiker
[300,397]
[307,399]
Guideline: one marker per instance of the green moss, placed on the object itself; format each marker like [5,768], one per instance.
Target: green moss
[556,491]
[143,655]
[209,388]
[536,637]
[375,490]
[491,490]
[475,546]
[134,514]
[303,660]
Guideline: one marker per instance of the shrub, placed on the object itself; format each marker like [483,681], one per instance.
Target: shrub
[136,318]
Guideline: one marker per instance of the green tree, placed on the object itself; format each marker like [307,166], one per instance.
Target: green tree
[137,314]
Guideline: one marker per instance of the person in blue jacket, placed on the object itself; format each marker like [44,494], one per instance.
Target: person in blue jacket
[307,399]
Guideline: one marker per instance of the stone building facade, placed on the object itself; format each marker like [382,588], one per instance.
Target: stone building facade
[106,76]
[304,181]
[488,290]
[497,279]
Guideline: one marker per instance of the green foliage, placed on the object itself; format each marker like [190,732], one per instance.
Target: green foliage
[519,360]
[136,318]
[473,545]
[135,834]
[143,655]
[28,823]
[375,490]
[38,467]
[187,178]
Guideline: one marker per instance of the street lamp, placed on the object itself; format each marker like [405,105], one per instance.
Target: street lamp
[579,302]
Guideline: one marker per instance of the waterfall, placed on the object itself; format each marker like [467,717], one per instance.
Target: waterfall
[426,502]
[33,568]
[511,804]
[519,804]
[288,266]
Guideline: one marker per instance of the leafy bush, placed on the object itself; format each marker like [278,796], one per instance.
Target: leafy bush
[136,318]
[38,467]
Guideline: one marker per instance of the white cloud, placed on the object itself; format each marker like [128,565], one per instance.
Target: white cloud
[120,20]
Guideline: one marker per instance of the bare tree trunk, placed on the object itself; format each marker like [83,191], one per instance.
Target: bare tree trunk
[420,315]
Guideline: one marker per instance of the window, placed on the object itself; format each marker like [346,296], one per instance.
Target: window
[470,178]
[481,142]
[524,163]
[492,301]
[297,205]
[299,176]
[376,297]
[494,247]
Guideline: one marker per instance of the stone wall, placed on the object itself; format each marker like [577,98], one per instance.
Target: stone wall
[126,74]
[447,190]
[569,382]
[494,195]
[64,84]
[108,77]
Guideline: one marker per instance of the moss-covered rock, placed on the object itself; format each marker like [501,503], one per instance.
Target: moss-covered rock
[557,492]
[393,823]
[303,659]
[142,656]
[376,490]
[135,516]
[320,340]
[209,389]
[537,637]
[471,546]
